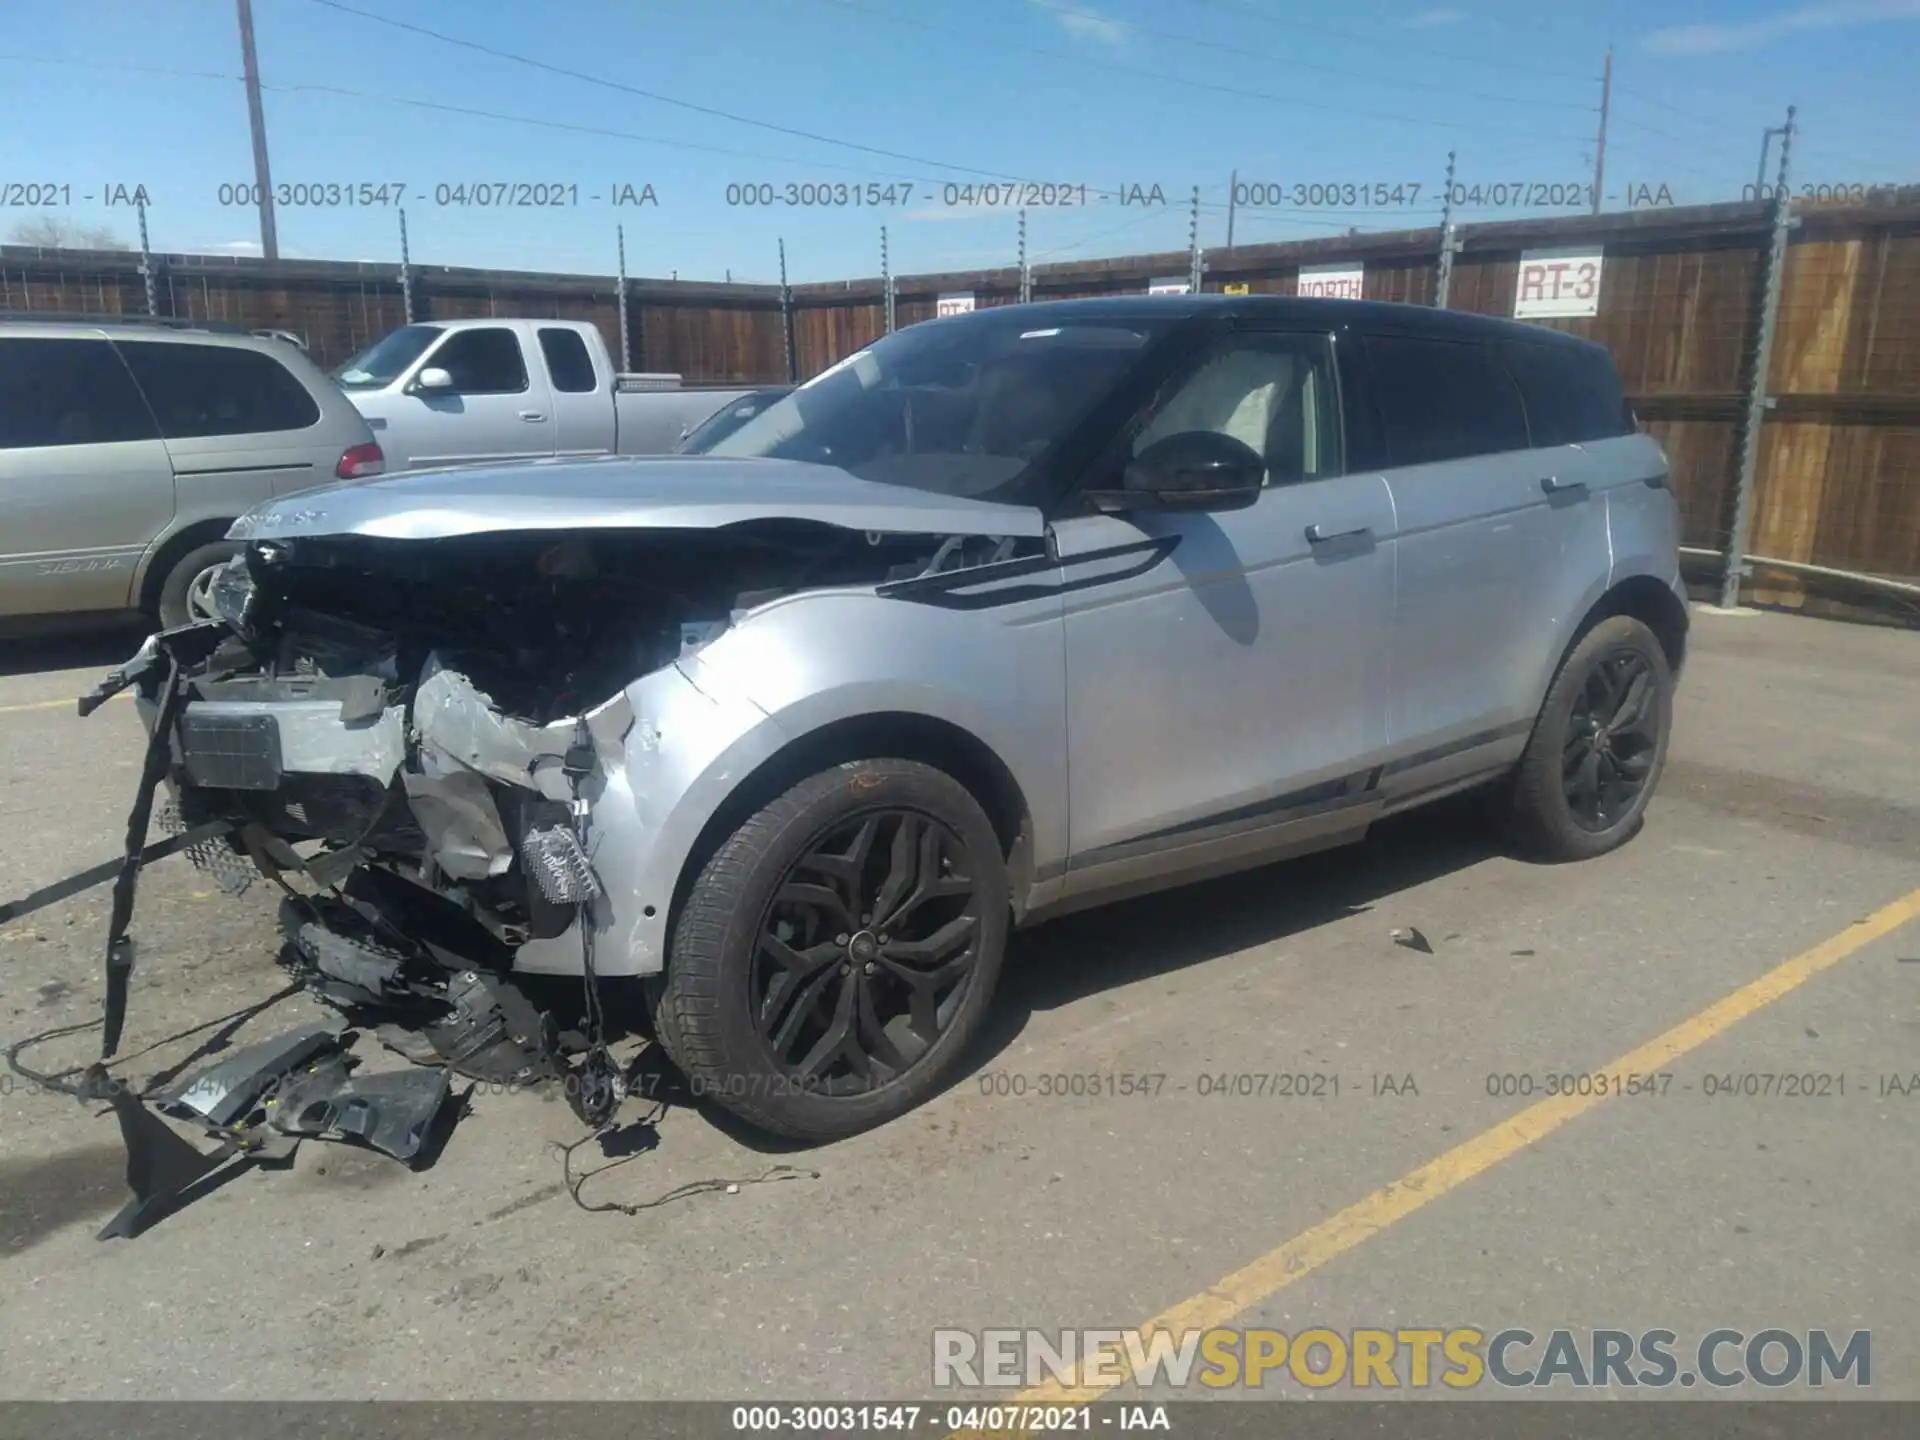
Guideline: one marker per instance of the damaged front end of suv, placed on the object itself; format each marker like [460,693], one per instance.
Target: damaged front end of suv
[474,743]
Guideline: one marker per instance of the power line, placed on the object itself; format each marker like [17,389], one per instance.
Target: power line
[1698,117]
[1665,160]
[570,127]
[1752,100]
[591,79]
[1628,149]
[653,95]
[1294,62]
[1089,62]
[1375,40]
[1378,40]
[1098,235]
[125,65]
[1290,218]
[1718,124]
[412,102]
[1642,125]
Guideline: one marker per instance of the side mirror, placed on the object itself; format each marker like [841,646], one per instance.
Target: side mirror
[1194,470]
[432,378]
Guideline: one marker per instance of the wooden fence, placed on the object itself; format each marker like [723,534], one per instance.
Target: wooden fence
[1838,480]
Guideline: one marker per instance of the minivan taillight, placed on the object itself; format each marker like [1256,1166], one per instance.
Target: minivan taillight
[360,462]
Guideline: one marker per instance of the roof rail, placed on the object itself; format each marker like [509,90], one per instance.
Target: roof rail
[75,317]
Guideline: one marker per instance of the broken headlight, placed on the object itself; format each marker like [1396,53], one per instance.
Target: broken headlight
[233,592]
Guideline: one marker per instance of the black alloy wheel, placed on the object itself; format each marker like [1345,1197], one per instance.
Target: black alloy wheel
[835,955]
[1598,745]
[866,951]
[1612,738]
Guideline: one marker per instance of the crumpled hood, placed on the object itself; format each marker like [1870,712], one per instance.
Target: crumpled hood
[665,492]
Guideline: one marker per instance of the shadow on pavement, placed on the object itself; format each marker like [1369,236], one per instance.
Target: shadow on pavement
[42,1195]
[99,646]
[1079,955]
[1058,963]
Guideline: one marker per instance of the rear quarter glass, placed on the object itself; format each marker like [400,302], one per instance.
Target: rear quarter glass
[201,390]
[1572,392]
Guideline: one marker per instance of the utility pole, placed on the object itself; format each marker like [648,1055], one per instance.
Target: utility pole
[1026,275]
[1762,361]
[1443,283]
[1233,200]
[1600,147]
[1193,244]
[262,178]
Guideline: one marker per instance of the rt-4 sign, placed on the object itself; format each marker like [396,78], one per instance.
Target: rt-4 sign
[1557,283]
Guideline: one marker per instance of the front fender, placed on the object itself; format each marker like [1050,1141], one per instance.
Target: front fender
[680,757]
[997,672]
[701,727]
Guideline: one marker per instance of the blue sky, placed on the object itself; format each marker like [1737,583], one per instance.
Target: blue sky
[1105,94]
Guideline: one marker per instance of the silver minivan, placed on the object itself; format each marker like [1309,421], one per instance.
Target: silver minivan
[127,450]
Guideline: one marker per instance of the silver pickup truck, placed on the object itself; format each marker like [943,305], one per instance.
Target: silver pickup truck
[472,392]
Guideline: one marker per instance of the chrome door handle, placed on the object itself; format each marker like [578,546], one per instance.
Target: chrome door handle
[1320,535]
[1554,485]
[531,415]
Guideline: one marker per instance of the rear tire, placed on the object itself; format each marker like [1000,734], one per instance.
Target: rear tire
[837,953]
[1598,745]
[183,594]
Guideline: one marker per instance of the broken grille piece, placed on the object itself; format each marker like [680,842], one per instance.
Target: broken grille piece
[230,870]
[558,867]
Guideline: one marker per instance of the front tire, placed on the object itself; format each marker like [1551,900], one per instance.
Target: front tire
[1598,745]
[837,953]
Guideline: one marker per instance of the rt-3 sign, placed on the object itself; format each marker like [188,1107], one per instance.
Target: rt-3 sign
[1557,284]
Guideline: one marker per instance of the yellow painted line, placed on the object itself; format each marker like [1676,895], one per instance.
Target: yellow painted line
[1222,1302]
[66,704]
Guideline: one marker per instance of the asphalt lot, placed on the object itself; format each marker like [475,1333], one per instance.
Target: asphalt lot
[1790,813]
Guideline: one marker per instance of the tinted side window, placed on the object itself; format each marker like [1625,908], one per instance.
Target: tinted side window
[1572,393]
[217,389]
[1444,399]
[1366,446]
[67,392]
[483,362]
[567,361]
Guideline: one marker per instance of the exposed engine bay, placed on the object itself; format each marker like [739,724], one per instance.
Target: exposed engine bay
[409,738]
[435,714]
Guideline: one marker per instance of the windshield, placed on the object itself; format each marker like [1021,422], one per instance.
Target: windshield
[959,407]
[727,419]
[384,361]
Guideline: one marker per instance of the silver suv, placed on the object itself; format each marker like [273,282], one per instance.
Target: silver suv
[1006,615]
[127,450]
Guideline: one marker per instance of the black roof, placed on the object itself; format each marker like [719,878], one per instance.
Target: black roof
[1332,315]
